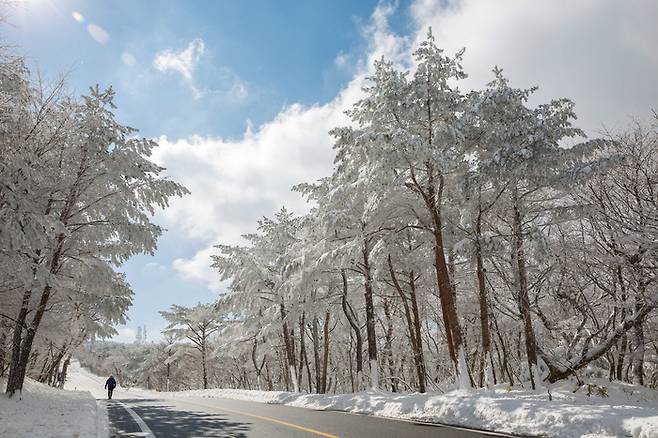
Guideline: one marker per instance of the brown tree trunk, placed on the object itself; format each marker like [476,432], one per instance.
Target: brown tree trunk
[413,324]
[15,381]
[290,349]
[622,346]
[203,364]
[303,356]
[419,353]
[21,349]
[482,298]
[325,355]
[19,369]
[432,194]
[370,320]
[315,339]
[522,283]
[354,323]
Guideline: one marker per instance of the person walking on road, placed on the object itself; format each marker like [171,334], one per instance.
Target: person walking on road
[110,384]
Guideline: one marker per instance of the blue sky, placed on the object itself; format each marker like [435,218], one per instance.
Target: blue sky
[281,51]
[241,94]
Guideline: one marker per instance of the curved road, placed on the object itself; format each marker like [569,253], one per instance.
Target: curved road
[203,417]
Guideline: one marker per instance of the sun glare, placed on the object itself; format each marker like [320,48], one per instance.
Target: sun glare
[77,16]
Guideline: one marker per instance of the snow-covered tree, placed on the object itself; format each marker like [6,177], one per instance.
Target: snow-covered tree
[197,325]
[77,191]
[408,135]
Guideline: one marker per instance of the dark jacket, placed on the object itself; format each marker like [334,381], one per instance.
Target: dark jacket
[111,383]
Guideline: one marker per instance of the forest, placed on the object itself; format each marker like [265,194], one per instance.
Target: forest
[464,239]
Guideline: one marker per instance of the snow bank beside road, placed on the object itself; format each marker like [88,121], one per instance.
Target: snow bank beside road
[626,411]
[51,413]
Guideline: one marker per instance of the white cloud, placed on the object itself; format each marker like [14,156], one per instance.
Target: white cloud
[235,182]
[341,59]
[198,268]
[183,62]
[239,90]
[599,53]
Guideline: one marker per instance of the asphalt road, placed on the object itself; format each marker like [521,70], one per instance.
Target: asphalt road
[203,417]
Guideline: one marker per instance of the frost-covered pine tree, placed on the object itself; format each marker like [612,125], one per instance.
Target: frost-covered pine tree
[408,135]
[197,325]
[263,278]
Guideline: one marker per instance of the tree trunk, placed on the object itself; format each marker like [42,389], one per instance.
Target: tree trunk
[254,361]
[413,324]
[15,381]
[419,354]
[483,302]
[638,353]
[432,194]
[304,355]
[389,347]
[3,354]
[302,351]
[325,355]
[64,372]
[290,350]
[354,323]
[522,283]
[21,350]
[370,321]
[315,339]
[203,364]
[623,345]
[52,370]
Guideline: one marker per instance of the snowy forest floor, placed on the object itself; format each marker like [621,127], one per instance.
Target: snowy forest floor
[42,411]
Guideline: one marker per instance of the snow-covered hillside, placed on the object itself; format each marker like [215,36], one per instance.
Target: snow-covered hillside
[46,412]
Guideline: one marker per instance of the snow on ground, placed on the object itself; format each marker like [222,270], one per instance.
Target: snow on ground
[626,411]
[81,379]
[48,412]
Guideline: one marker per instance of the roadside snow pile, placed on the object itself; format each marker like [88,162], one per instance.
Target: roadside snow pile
[43,411]
[611,409]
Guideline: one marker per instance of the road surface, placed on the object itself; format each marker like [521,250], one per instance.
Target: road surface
[203,417]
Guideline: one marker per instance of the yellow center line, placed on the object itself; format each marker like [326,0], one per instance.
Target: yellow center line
[260,417]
